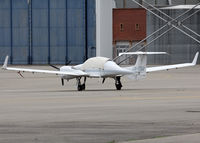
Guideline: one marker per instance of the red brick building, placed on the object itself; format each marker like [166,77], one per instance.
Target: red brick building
[129,25]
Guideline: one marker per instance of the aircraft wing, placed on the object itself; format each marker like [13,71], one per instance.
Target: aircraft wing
[176,66]
[74,73]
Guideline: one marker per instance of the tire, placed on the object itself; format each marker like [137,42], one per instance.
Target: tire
[83,86]
[118,86]
[79,88]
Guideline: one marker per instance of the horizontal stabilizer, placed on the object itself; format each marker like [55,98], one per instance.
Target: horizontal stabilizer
[142,53]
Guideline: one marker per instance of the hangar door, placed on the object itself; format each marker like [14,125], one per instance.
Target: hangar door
[47,31]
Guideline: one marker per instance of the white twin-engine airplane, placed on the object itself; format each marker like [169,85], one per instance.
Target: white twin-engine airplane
[101,67]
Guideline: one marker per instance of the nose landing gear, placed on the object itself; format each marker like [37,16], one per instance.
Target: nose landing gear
[118,83]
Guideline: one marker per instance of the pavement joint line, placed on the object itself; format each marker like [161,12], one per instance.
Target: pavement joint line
[164,137]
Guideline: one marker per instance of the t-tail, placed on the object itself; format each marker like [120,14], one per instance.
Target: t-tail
[139,69]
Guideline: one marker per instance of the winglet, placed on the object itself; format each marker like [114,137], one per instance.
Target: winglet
[194,62]
[5,63]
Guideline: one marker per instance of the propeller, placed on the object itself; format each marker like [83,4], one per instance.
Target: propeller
[103,80]
[67,63]
[85,80]
[54,67]
[20,74]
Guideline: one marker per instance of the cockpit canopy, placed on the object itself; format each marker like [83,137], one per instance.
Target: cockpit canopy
[94,63]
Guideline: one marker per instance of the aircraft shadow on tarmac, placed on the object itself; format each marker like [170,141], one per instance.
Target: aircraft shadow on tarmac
[147,90]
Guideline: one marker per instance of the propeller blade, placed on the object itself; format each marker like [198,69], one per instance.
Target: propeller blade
[85,80]
[55,67]
[20,74]
[103,80]
[67,63]
[62,80]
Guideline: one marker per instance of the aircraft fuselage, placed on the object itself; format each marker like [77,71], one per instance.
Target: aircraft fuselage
[110,69]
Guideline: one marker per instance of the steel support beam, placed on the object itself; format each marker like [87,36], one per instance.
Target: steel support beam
[30,31]
[11,33]
[49,34]
[86,30]
[66,20]
[167,23]
[179,22]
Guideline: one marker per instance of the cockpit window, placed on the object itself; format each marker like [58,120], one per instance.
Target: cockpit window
[96,62]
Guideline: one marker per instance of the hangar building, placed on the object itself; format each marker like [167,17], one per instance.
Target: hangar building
[180,47]
[59,31]
[47,31]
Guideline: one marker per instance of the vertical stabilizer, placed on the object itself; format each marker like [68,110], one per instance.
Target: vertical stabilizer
[141,61]
[140,66]
[139,70]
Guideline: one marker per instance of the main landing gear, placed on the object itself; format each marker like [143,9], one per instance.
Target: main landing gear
[80,86]
[118,83]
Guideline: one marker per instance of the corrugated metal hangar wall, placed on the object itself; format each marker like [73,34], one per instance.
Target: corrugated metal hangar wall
[131,4]
[47,31]
[180,47]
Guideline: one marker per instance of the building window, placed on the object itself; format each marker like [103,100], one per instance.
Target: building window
[137,27]
[121,27]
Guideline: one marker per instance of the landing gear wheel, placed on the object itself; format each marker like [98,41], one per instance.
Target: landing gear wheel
[118,86]
[80,86]
[118,83]
[83,86]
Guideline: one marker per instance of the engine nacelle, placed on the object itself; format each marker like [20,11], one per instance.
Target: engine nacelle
[67,69]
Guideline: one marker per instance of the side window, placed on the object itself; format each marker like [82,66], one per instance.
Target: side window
[137,27]
[121,27]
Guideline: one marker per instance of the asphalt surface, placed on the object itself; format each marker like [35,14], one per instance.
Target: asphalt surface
[194,138]
[37,109]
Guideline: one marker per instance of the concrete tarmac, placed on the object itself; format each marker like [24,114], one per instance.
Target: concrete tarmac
[37,109]
[194,138]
